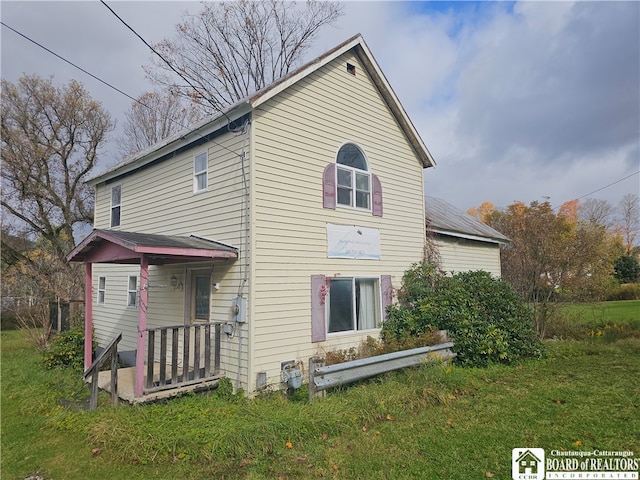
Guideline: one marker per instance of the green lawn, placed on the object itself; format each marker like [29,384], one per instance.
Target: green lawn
[623,311]
[431,422]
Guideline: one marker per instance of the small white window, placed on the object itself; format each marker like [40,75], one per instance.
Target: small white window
[102,288]
[116,201]
[132,291]
[200,172]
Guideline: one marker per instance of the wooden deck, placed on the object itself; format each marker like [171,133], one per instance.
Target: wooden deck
[126,387]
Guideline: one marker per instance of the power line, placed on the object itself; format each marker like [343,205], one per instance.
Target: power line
[180,74]
[609,185]
[70,63]
[111,86]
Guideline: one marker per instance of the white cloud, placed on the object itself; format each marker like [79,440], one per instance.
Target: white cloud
[515,101]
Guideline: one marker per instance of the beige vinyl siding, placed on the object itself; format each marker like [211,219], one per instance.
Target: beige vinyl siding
[160,200]
[296,135]
[461,255]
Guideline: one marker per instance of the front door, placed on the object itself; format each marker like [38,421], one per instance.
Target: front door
[201,297]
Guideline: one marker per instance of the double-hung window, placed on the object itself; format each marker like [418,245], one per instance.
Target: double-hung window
[132,291]
[353,185]
[116,204]
[200,172]
[102,289]
[354,304]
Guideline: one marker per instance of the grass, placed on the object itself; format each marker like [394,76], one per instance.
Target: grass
[431,422]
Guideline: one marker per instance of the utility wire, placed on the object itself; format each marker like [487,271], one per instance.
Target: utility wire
[167,62]
[108,84]
[71,63]
[611,184]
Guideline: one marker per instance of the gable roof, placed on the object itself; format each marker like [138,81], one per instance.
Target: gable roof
[211,126]
[115,246]
[445,219]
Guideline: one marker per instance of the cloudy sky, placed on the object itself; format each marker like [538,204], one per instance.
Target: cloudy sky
[515,100]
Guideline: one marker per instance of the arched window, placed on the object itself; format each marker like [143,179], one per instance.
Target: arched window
[349,182]
[353,178]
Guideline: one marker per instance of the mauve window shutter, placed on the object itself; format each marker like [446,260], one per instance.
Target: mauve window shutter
[318,296]
[376,195]
[387,293]
[329,186]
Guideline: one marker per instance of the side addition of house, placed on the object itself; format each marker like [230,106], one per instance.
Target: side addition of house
[463,242]
[262,236]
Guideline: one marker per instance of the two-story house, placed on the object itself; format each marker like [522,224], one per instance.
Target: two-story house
[288,219]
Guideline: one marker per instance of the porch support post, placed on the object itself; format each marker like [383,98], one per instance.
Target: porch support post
[142,324]
[88,316]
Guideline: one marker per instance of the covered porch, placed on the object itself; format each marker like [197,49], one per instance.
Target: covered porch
[169,360]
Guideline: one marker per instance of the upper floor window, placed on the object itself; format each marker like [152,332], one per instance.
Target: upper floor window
[116,205]
[349,182]
[200,172]
[353,178]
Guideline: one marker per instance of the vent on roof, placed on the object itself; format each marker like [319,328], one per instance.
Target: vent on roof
[351,69]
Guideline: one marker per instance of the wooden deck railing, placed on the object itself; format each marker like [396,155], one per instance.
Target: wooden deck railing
[185,355]
[111,351]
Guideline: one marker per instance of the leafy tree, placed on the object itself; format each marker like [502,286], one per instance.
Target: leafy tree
[50,141]
[627,268]
[153,117]
[554,255]
[487,320]
[51,137]
[482,212]
[232,49]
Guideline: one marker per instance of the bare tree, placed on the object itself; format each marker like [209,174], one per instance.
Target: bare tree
[629,219]
[597,212]
[50,141]
[155,116]
[232,49]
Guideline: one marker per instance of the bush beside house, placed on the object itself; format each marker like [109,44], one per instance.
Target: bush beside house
[485,318]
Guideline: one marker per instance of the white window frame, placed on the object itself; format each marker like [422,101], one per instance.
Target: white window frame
[378,305]
[353,173]
[116,206]
[202,173]
[133,291]
[102,290]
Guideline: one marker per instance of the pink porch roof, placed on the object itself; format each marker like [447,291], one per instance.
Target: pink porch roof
[114,246]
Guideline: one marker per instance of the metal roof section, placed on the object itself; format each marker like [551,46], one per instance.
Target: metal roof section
[215,122]
[114,246]
[445,219]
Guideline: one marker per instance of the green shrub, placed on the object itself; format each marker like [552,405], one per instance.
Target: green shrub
[630,291]
[627,268]
[485,318]
[66,350]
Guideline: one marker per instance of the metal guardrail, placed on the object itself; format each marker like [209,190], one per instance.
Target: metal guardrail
[324,377]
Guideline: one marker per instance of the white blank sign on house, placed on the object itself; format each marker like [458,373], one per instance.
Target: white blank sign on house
[351,241]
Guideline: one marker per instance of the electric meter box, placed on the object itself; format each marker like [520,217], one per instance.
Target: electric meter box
[239,310]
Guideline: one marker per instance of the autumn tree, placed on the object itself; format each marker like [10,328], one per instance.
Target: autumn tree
[51,137]
[482,212]
[553,255]
[154,116]
[231,49]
